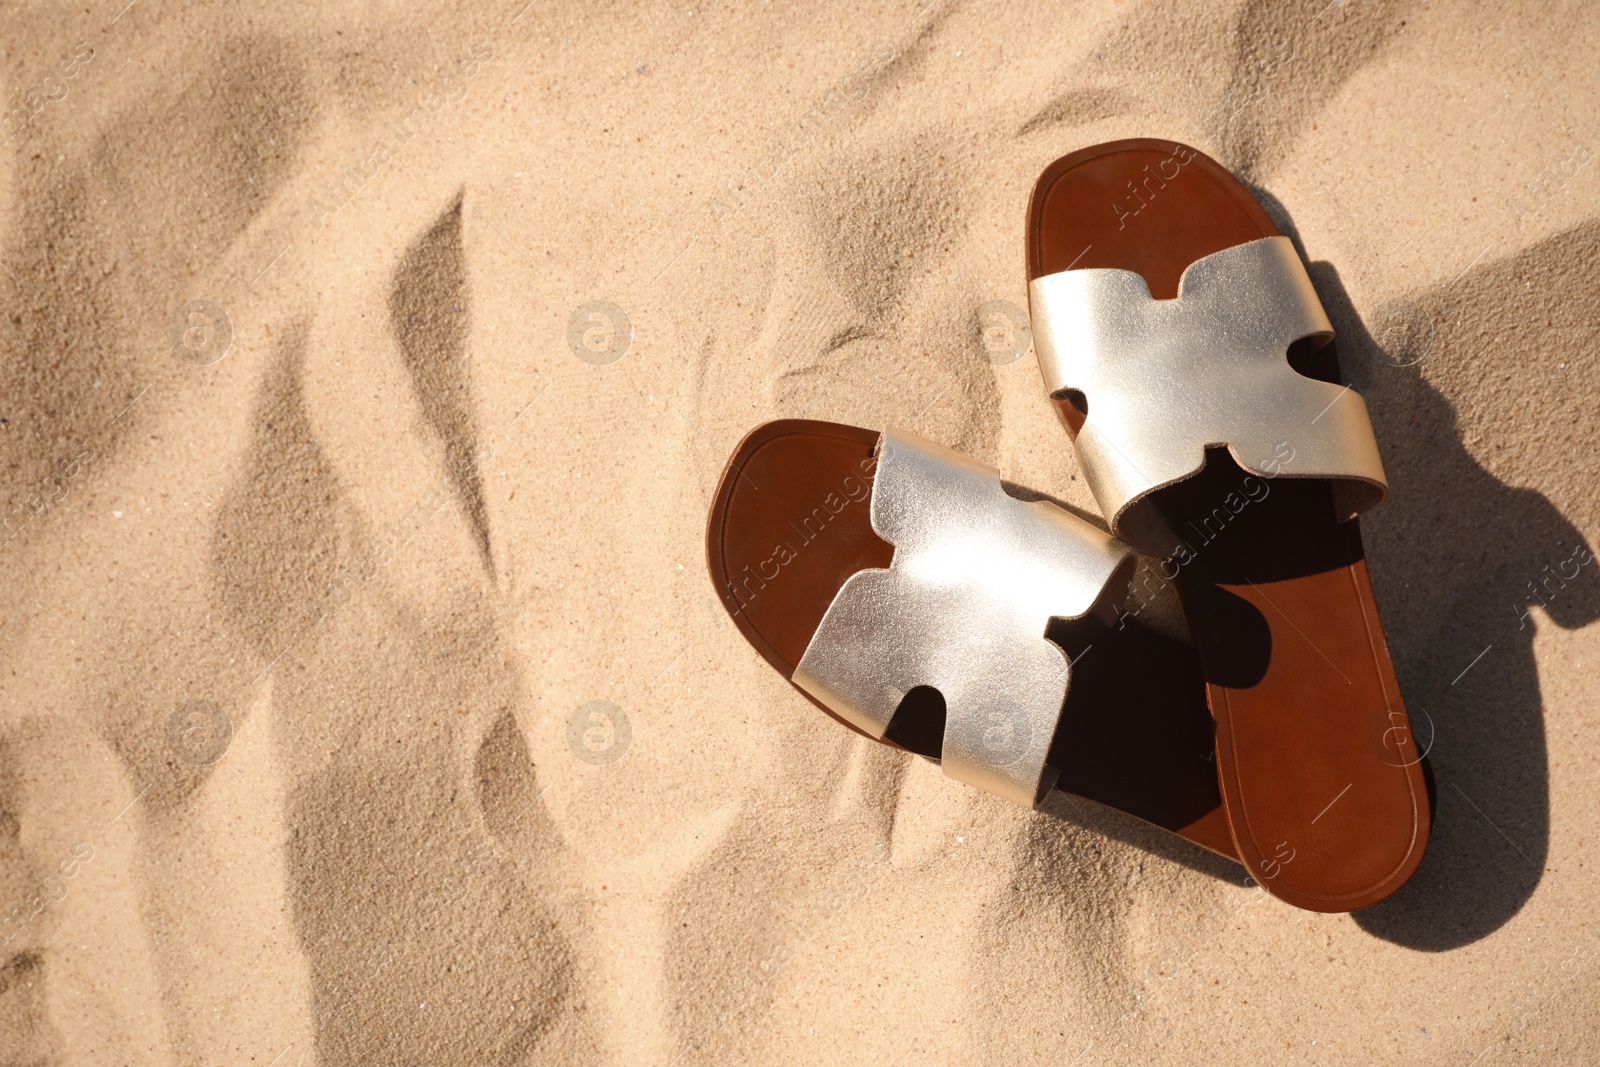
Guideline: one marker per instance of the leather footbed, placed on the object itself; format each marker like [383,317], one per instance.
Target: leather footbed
[790,522]
[1319,773]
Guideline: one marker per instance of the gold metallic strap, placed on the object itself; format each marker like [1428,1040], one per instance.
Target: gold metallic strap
[976,577]
[1164,379]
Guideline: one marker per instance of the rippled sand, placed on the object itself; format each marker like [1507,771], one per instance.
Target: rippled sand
[365,373]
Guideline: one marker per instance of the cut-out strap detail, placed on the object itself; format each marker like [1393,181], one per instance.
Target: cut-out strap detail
[1165,379]
[976,577]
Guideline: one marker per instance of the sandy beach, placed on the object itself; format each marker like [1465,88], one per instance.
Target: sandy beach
[366,371]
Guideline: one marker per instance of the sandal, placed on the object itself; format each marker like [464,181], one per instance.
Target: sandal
[899,587]
[1186,350]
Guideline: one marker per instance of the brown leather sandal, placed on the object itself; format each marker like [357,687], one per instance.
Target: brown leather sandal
[899,587]
[1188,355]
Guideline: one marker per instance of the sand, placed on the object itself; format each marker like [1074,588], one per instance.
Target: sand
[365,373]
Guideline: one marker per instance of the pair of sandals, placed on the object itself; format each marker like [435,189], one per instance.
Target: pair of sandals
[903,589]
